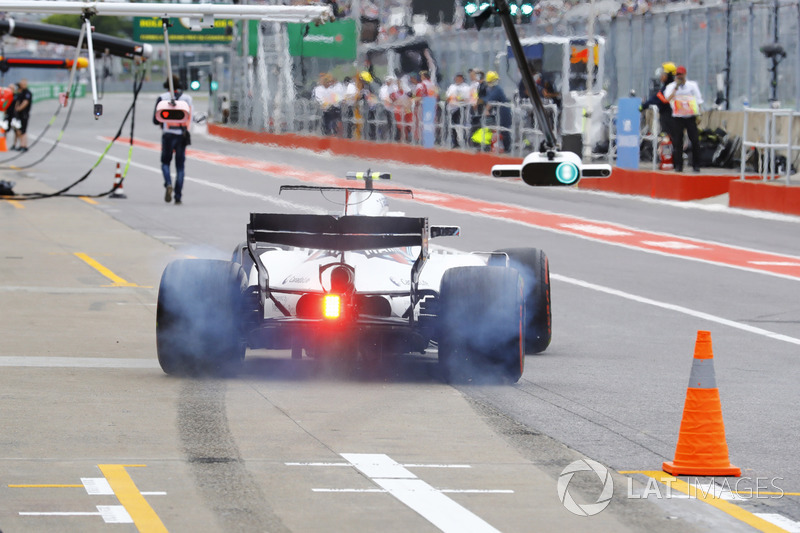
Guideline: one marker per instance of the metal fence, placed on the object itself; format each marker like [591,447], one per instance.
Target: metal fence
[773,147]
[458,127]
[265,93]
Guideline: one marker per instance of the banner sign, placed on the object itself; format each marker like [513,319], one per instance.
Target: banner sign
[628,117]
[334,39]
[150,30]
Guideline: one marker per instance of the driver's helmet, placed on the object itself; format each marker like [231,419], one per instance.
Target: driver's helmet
[367,203]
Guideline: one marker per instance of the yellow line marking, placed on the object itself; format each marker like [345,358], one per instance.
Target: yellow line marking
[44,486]
[734,510]
[116,280]
[88,200]
[16,203]
[144,518]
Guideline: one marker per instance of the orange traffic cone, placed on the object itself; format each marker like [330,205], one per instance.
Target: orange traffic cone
[117,192]
[3,147]
[702,449]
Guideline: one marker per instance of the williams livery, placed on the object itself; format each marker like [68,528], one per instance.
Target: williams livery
[363,284]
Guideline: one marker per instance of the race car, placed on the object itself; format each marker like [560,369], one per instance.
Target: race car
[361,284]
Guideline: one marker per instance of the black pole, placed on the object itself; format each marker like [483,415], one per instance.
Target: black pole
[728,45]
[775,58]
[502,9]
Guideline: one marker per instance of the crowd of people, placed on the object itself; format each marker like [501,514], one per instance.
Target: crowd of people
[16,117]
[390,109]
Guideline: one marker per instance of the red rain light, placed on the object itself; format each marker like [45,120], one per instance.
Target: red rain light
[331,306]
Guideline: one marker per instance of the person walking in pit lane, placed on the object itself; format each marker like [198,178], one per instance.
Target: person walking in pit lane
[174,139]
[685,99]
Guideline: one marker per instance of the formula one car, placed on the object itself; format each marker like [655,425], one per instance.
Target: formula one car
[362,284]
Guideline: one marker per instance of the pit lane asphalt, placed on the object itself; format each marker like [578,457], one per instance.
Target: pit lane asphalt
[611,386]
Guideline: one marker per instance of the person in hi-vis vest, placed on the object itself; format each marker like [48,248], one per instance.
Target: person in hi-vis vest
[685,100]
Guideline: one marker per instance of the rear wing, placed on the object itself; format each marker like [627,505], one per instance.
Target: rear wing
[345,233]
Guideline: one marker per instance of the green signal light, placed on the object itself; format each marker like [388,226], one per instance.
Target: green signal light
[214,85]
[195,85]
[514,8]
[470,8]
[527,9]
[567,173]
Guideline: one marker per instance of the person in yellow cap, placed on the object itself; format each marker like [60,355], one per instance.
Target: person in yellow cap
[497,108]
[685,98]
[365,76]
[667,72]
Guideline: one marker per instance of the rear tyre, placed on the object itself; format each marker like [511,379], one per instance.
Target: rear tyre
[199,317]
[533,266]
[480,327]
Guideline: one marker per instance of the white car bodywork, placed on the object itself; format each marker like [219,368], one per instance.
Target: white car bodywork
[376,271]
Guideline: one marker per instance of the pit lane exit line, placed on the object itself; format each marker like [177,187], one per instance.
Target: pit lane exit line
[783,266]
[430,503]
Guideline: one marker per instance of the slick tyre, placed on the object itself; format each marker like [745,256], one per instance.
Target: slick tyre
[199,316]
[480,329]
[533,266]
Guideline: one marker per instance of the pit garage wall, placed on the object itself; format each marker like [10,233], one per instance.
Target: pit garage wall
[685,186]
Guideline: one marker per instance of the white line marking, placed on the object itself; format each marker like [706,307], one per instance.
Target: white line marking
[672,245]
[349,490]
[596,230]
[677,308]
[434,506]
[775,263]
[59,513]
[317,464]
[154,493]
[412,465]
[75,362]
[408,465]
[378,465]
[430,503]
[96,485]
[444,491]
[477,491]
[115,514]
[781,521]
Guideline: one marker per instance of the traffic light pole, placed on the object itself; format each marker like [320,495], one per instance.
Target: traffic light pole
[502,8]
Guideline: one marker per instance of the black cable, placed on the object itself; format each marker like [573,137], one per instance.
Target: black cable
[63,192]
